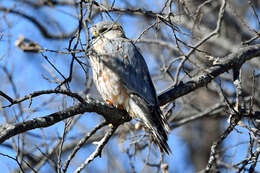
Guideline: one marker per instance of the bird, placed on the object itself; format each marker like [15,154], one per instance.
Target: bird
[122,78]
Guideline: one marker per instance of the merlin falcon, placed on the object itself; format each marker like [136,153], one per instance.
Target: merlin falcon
[123,80]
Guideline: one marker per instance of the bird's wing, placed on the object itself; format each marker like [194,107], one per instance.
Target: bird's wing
[126,61]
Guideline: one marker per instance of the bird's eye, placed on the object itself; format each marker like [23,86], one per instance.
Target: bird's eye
[102,30]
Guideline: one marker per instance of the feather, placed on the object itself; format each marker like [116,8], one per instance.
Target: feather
[133,71]
[153,119]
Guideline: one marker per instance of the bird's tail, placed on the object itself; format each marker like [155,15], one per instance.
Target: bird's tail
[154,120]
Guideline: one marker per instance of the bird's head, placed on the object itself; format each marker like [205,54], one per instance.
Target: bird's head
[108,29]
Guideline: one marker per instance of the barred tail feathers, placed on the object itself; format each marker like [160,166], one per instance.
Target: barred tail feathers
[153,120]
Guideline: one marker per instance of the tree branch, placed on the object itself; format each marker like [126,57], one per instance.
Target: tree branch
[231,61]
[111,115]
[42,29]
[98,150]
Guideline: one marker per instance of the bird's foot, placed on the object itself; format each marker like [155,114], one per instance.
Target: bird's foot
[109,102]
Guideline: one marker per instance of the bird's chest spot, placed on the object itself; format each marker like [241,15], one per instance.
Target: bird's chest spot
[109,81]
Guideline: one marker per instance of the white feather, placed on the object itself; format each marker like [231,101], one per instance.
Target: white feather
[136,110]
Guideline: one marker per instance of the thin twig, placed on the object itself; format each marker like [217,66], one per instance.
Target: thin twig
[98,150]
[80,144]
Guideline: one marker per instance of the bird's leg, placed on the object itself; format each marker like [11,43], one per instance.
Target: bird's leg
[120,107]
[109,102]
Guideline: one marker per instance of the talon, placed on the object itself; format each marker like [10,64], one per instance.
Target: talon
[109,102]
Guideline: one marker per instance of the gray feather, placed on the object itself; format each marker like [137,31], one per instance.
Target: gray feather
[136,79]
[126,61]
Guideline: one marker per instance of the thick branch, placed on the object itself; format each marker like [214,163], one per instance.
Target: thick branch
[111,114]
[231,61]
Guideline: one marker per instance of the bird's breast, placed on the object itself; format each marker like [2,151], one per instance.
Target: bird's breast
[108,83]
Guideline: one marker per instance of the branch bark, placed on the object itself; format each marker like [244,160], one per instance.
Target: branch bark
[111,115]
[229,62]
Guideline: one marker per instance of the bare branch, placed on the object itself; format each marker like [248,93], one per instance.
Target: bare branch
[80,144]
[90,105]
[42,29]
[212,159]
[39,93]
[98,150]
[231,61]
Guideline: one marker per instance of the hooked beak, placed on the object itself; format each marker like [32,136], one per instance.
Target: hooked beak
[94,34]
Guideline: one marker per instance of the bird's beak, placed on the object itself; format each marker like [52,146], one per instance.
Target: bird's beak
[94,34]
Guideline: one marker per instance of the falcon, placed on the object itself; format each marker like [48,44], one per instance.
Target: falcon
[122,78]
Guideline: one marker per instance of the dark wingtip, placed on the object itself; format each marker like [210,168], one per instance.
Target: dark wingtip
[164,148]
[155,122]
[160,134]
[161,142]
